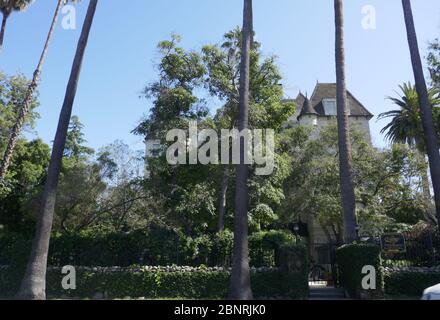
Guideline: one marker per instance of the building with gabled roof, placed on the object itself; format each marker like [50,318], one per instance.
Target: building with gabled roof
[321,109]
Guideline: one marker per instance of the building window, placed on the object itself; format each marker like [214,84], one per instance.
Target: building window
[330,108]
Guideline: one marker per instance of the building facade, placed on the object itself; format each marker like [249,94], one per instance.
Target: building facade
[319,111]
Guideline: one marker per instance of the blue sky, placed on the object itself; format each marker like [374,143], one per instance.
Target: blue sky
[122,49]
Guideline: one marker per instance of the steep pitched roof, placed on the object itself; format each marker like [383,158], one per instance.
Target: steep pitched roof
[307,108]
[328,91]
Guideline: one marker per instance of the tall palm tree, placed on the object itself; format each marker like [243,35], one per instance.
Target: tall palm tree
[406,124]
[406,128]
[6,8]
[430,135]
[33,285]
[240,285]
[346,175]
[25,105]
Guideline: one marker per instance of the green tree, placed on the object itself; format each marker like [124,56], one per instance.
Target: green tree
[433,59]
[12,90]
[25,180]
[346,177]
[386,183]
[268,110]
[174,103]
[430,134]
[6,8]
[26,103]
[33,285]
[406,125]
[80,182]
[218,70]
[75,148]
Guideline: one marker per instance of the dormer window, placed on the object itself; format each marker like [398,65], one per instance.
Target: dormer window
[330,107]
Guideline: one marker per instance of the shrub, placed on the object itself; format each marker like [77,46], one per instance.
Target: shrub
[172,282]
[222,250]
[351,260]
[156,246]
[409,283]
[264,247]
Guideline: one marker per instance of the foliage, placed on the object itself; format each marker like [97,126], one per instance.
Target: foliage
[25,179]
[387,182]
[433,59]
[155,247]
[351,259]
[180,72]
[12,91]
[409,283]
[406,124]
[183,282]
[187,196]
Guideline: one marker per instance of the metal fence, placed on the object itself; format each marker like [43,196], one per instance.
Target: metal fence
[420,249]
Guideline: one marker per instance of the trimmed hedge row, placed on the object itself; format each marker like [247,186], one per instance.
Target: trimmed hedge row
[153,247]
[351,260]
[409,283]
[138,282]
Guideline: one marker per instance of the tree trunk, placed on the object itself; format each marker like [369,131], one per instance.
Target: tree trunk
[2,30]
[33,285]
[430,135]
[240,285]
[346,176]
[223,196]
[25,106]
[426,190]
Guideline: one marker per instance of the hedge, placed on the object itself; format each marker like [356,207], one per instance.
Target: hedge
[160,283]
[351,260]
[159,247]
[405,283]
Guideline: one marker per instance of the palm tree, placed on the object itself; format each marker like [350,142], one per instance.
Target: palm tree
[406,127]
[346,176]
[33,285]
[24,108]
[430,135]
[6,8]
[240,285]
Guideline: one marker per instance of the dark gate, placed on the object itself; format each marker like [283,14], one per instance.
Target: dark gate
[323,267]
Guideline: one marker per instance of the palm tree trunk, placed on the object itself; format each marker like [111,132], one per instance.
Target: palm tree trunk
[33,285]
[240,285]
[2,30]
[223,196]
[427,197]
[346,176]
[430,135]
[24,108]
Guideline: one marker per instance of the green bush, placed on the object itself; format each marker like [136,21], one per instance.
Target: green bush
[156,284]
[351,260]
[409,283]
[264,246]
[157,246]
[222,249]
